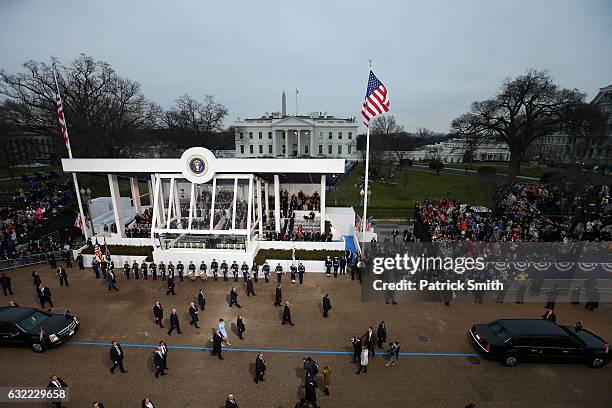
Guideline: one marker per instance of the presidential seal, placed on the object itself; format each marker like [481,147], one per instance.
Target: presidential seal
[197,165]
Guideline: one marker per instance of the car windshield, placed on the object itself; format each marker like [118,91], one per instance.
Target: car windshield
[33,320]
[500,331]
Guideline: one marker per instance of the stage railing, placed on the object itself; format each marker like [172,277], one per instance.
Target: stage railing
[28,260]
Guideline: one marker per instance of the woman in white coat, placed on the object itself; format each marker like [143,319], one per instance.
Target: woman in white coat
[363,364]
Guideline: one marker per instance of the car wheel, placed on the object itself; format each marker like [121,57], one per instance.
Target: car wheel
[509,359]
[597,361]
[37,347]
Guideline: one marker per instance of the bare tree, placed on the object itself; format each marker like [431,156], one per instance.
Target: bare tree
[526,108]
[385,125]
[424,133]
[101,108]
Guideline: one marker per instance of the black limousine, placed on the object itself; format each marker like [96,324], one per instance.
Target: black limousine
[26,326]
[514,340]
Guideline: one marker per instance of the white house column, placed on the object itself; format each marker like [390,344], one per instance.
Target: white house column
[259,209]
[170,199]
[150,187]
[266,196]
[158,198]
[312,145]
[249,209]
[191,205]
[155,205]
[322,204]
[286,143]
[299,139]
[117,208]
[135,189]
[274,143]
[177,205]
[212,203]
[276,203]
[234,203]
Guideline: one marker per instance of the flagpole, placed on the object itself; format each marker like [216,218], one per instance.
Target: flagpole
[296,102]
[74,176]
[365,196]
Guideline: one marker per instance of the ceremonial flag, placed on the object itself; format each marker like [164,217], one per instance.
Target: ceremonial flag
[78,222]
[357,222]
[369,223]
[376,100]
[106,251]
[98,252]
[62,119]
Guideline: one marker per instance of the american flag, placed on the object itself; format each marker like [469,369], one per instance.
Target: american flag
[376,100]
[62,119]
[369,223]
[357,222]
[98,252]
[106,251]
[78,222]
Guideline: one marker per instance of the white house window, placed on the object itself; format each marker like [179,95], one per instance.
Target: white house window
[350,135]
[260,135]
[306,149]
[242,135]
[329,149]
[330,135]
[269,135]
[339,149]
[350,150]
[320,149]
[250,135]
[251,149]
[261,149]
[339,135]
[270,149]
[241,149]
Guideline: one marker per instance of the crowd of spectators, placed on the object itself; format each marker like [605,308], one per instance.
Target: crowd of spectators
[526,212]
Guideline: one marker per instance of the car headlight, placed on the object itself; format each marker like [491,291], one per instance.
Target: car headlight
[76,320]
[53,338]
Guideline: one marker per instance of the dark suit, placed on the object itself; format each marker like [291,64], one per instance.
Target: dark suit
[116,356]
[216,349]
[311,392]
[260,369]
[193,312]
[174,324]
[158,312]
[171,286]
[287,315]
[201,300]
[278,297]
[231,404]
[249,288]
[241,327]
[326,306]
[59,384]
[44,295]
[234,298]
[160,363]
[5,281]
[381,335]
[368,341]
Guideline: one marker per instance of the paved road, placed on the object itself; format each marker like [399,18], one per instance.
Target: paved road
[440,368]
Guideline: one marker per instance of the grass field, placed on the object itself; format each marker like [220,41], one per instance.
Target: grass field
[18,171]
[502,168]
[395,198]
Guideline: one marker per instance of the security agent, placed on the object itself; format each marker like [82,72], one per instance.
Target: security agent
[144,268]
[301,271]
[266,271]
[126,270]
[234,298]
[116,357]
[58,383]
[249,287]
[153,269]
[159,361]
[162,270]
[214,266]
[180,268]
[279,273]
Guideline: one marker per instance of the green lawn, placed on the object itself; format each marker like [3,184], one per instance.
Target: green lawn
[396,197]
[502,168]
[18,171]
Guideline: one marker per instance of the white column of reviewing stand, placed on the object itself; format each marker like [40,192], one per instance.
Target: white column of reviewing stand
[135,190]
[277,217]
[323,180]
[117,208]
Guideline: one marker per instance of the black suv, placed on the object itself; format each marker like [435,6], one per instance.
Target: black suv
[511,340]
[26,326]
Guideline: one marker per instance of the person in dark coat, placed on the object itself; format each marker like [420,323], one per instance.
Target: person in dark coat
[193,312]
[260,368]
[5,281]
[266,271]
[68,259]
[174,323]
[144,268]
[249,287]
[381,334]
[301,271]
[311,391]
[279,273]
[95,266]
[551,297]
[63,276]
[230,402]
[36,279]
[158,312]
[153,269]
[79,260]
[44,295]
[171,285]
[160,362]
[126,270]
[216,342]
[575,294]
[111,280]
[369,341]
[136,270]
[201,299]
[240,327]
[287,314]
[343,266]
[58,383]
[97,404]
[234,298]
[356,343]
[164,348]
[326,306]
[116,357]
[278,296]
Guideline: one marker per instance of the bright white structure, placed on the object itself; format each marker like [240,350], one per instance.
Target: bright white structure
[453,151]
[277,134]
[205,207]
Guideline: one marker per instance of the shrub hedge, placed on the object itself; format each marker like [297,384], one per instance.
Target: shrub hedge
[124,250]
[300,254]
[487,171]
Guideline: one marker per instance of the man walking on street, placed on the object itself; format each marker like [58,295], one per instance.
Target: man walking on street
[326,305]
[158,312]
[174,323]
[260,368]
[116,356]
[5,281]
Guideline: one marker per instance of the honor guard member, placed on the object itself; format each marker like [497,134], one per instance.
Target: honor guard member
[336,265]
[342,266]
[202,269]
[95,265]
[111,266]
[170,270]
[162,270]
[201,299]
[153,269]
[224,270]
[245,271]
[293,270]
[111,280]
[171,285]
[266,271]
[180,268]
[249,287]
[234,298]
[301,270]
[234,269]
[104,265]
[279,273]
[135,270]
[255,271]
[191,268]
[328,265]
[126,270]
[158,312]
[144,268]
[278,295]
[214,266]
[193,312]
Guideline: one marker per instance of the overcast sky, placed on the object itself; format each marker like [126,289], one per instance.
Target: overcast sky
[435,57]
